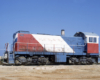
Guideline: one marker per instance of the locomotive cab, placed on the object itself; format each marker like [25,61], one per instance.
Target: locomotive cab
[91,42]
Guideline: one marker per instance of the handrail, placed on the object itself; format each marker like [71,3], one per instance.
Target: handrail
[49,44]
[52,46]
[45,47]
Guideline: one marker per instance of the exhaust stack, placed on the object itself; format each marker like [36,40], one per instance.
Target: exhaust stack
[62,32]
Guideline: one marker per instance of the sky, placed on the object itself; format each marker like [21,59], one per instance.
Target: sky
[47,16]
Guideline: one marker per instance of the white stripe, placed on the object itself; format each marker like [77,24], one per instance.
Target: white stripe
[53,43]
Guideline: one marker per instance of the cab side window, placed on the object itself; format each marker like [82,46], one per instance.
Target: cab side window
[93,39]
[90,39]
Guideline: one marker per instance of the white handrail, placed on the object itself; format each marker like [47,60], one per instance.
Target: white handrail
[49,44]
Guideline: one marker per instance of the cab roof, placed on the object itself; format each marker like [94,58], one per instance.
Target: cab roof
[85,34]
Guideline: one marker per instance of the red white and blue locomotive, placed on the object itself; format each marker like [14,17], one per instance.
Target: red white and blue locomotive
[28,48]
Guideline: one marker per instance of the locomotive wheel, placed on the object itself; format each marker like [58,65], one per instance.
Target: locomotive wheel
[29,60]
[91,61]
[17,62]
[46,63]
[73,61]
[20,60]
[43,61]
[39,63]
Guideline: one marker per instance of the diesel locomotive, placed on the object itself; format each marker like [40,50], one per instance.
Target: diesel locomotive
[82,48]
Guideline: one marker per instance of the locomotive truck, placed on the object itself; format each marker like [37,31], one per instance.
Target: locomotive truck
[82,48]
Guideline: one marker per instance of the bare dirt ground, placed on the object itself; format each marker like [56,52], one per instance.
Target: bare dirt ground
[51,72]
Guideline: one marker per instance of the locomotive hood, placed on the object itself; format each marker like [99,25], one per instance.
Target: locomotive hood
[53,43]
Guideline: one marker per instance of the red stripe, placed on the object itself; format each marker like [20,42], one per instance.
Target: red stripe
[27,43]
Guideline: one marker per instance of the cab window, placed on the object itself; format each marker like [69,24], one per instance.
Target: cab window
[93,39]
[90,39]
